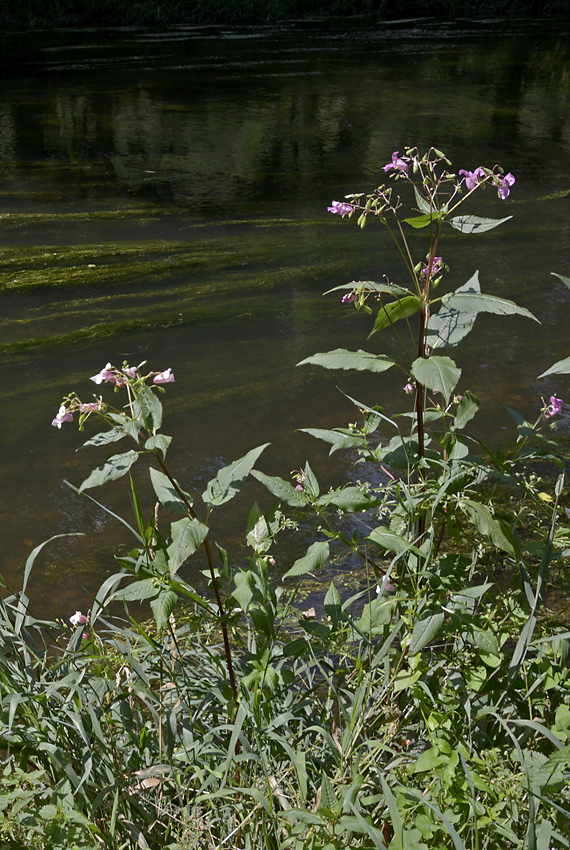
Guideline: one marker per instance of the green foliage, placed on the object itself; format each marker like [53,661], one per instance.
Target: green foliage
[429,710]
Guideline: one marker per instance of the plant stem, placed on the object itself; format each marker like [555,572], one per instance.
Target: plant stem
[213,577]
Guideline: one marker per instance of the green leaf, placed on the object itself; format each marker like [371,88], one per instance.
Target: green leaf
[561,367]
[486,524]
[350,499]
[466,410]
[187,536]
[163,606]
[104,438]
[160,442]
[438,373]
[470,299]
[422,203]
[448,327]
[114,467]
[388,314]
[166,492]
[316,555]
[148,408]
[387,539]
[425,630]
[229,480]
[476,224]
[420,221]
[243,593]
[340,358]
[333,604]
[281,489]
[337,439]
[137,591]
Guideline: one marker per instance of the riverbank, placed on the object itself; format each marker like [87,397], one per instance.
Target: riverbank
[35,14]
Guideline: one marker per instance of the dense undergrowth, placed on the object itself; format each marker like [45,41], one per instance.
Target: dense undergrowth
[428,710]
[33,14]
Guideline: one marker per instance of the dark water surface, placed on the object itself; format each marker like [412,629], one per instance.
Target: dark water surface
[163,197]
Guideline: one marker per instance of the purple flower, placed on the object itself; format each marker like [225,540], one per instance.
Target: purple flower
[78,618]
[165,377]
[398,164]
[554,408]
[106,374]
[350,296]
[131,372]
[472,177]
[90,407]
[504,184]
[340,208]
[63,415]
[436,266]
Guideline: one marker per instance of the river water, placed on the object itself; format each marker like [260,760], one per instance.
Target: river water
[163,198]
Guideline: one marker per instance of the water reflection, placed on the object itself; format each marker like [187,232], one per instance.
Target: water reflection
[162,196]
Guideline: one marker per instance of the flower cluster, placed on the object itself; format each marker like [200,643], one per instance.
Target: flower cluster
[503,182]
[552,409]
[436,267]
[340,208]
[111,375]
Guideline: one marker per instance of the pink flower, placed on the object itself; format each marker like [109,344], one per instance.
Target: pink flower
[398,164]
[106,374]
[340,208]
[90,407]
[472,177]
[78,618]
[504,184]
[300,488]
[436,266]
[350,296]
[63,415]
[553,408]
[165,377]
[131,372]
[409,388]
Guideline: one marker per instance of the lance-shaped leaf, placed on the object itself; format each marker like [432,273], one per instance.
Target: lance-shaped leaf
[349,499]
[469,299]
[389,540]
[146,588]
[229,480]
[388,314]
[425,630]
[187,536]
[451,324]
[371,286]
[440,374]
[497,530]
[340,358]
[281,489]
[561,367]
[423,205]
[114,467]
[475,224]
[163,606]
[167,494]
[420,221]
[317,554]
[149,409]
[104,438]
[337,439]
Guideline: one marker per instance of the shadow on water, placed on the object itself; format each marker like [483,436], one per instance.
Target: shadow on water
[163,197]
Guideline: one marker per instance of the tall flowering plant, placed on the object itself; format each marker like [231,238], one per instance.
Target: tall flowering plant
[160,555]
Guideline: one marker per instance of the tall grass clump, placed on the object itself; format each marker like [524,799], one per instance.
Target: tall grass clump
[429,710]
